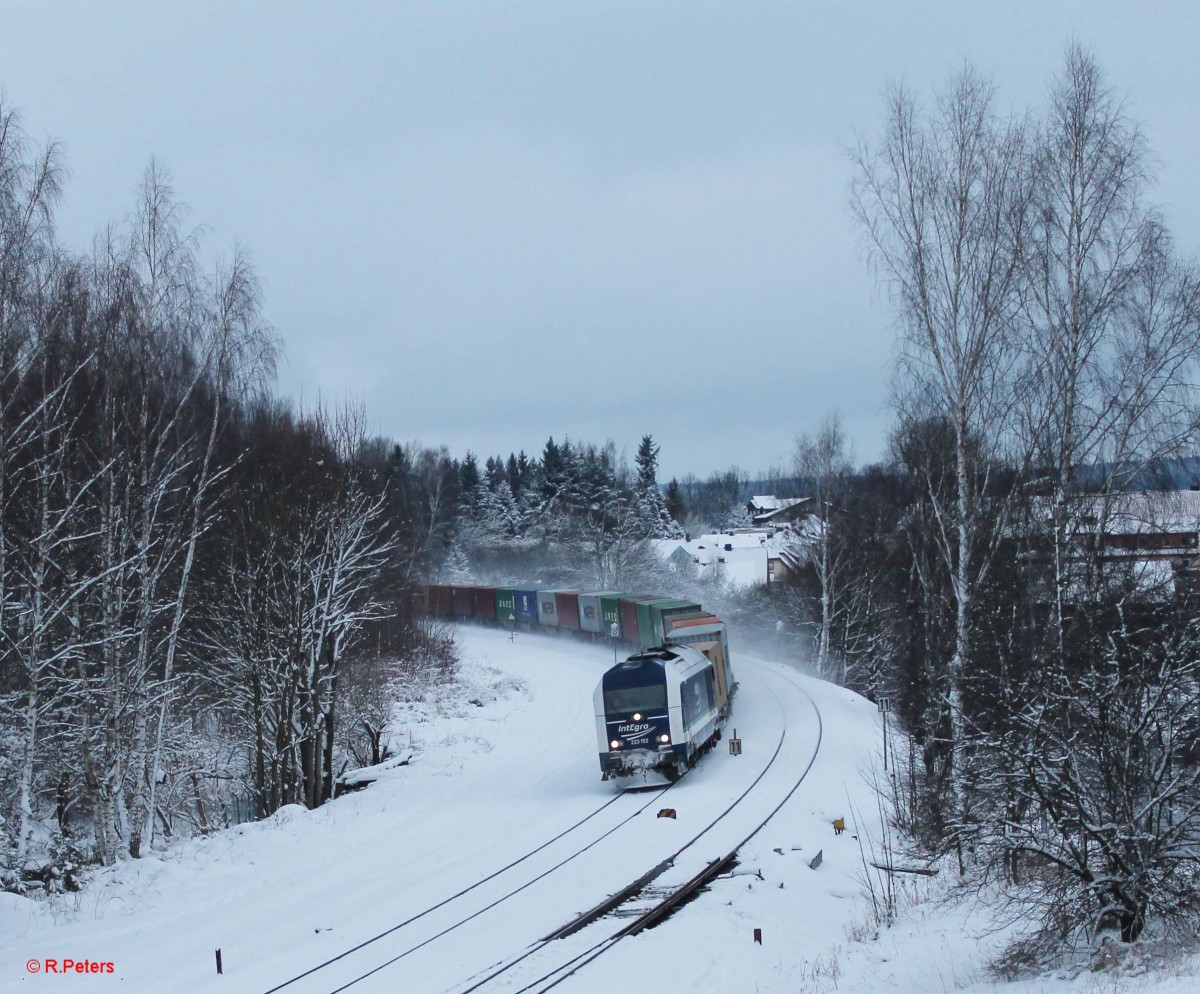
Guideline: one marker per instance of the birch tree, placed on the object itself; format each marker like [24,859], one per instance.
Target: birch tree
[30,184]
[941,202]
[36,641]
[1113,317]
[308,556]
[822,462]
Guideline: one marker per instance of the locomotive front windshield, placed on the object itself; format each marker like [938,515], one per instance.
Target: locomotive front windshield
[644,698]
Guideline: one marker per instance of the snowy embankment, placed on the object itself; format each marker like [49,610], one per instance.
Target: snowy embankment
[502,762]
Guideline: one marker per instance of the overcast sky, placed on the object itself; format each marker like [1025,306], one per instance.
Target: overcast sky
[491,223]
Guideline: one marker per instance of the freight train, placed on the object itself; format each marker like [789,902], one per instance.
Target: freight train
[659,710]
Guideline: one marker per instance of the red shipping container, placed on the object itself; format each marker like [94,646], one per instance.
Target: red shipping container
[566,604]
[418,600]
[483,602]
[461,599]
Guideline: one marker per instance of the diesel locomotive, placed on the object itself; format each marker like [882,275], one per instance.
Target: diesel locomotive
[661,709]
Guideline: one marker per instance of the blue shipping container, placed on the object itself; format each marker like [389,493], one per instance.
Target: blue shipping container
[527,608]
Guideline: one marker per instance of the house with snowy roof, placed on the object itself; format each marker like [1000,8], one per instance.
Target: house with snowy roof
[1141,524]
[770,510]
[745,557]
[1155,532]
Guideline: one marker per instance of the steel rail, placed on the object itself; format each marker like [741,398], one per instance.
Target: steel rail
[466,890]
[638,885]
[678,897]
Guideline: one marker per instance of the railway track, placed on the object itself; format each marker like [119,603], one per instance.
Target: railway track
[655,799]
[337,974]
[665,901]
[530,854]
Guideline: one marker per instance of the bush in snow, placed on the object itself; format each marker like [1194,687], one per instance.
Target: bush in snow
[10,872]
[1092,788]
[63,869]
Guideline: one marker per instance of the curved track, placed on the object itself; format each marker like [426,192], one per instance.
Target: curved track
[411,919]
[723,832]
[662,908]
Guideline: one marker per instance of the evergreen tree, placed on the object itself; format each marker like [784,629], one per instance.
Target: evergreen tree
[526,473]
[553,467]
[572,488]
[493,472]
[468,474]
[653,516]
[498,512]
[647,465]
[458,566]
[676,503]
[513,473]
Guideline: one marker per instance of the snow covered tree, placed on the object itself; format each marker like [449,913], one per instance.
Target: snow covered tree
[942,203]
[1091,785]
[29,188]
[493,472]
[422,489]
[469,480]
[554,467]
[655,519]
[457,568]
[1114,320]
[308,560]
[675,501]
[822,463]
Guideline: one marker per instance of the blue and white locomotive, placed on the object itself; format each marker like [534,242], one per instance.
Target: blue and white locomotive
[661,709]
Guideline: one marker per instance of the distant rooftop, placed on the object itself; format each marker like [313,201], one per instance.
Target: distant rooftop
[764,508]
[1137,512]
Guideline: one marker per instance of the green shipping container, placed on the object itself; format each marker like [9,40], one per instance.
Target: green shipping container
[506,606]
[660,611]
[610,613]
[645,620]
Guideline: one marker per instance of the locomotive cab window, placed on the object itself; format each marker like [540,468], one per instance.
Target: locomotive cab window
[648,698]
[635,686]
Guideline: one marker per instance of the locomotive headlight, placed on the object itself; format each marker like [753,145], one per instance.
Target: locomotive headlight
[615,744]
[664,739]
[637,717]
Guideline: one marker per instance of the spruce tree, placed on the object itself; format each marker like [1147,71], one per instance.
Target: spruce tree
[655,519]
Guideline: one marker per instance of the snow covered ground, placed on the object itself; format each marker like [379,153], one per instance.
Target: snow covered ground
[503,763]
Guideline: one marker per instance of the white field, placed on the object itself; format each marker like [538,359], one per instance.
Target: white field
[504,761]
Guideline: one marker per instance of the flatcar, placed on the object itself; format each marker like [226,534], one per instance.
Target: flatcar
[660,710]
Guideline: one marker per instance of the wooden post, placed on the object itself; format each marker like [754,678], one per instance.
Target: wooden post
[885,706]
[219,968]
